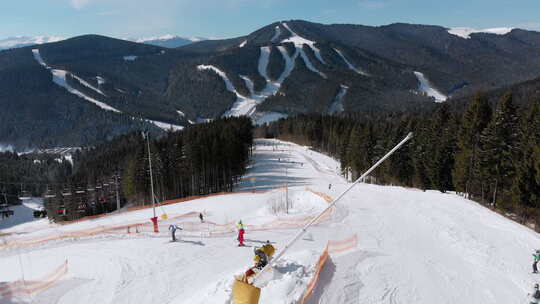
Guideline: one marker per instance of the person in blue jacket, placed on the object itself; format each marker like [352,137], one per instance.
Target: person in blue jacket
[172,229]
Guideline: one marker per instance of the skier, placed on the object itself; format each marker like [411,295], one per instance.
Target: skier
[241,232]
[535,295]
[173,229]
[329,186]
[536,256]
[262,257]
[201,217]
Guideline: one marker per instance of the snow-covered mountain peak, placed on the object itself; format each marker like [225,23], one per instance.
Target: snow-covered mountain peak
[21,41]
[295,38]
[169,37]
[169,40]
[465,32]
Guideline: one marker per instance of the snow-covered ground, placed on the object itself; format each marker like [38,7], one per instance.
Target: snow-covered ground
[425,86]
[413,246]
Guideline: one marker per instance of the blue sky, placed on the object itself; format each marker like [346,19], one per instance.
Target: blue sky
[231,18]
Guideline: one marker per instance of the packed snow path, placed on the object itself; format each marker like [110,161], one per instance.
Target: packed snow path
[413,246]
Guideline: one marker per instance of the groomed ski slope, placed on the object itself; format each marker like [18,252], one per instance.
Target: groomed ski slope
[413,246]
[59,78]
[425,86]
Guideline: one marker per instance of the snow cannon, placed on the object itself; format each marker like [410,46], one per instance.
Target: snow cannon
[245,293]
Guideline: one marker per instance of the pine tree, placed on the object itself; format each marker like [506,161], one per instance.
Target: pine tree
[526,187]
[475,119]
[442,141]
[499,143]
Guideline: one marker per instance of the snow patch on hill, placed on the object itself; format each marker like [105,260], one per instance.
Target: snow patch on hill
[165,126]
[243,44]
[426,87]
[352,67]
[465,32]
[130,58]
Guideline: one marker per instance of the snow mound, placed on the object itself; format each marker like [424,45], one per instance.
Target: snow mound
[426,87]
[465,32]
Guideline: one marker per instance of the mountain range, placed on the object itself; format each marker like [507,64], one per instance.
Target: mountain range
[89,88]
[167,41]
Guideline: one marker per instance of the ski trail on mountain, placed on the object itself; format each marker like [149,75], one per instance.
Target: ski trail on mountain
[59,78]
[337,105]
[263,62]
[352,67]
[243,105]
[425,86]
[277,33]
[299,43]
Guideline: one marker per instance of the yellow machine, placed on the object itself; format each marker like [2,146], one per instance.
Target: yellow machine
[268,249]
[244,293]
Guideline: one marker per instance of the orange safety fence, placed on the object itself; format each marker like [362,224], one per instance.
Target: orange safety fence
[164,203]
[343,245]
[331,248]
[313,283]
[206,227]
[325,196]
[124,228]
[31,287]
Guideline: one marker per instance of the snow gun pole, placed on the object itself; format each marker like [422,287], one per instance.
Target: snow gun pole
[304,229]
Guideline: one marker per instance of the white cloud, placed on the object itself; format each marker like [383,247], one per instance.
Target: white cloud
[372,4]
[78,4]
[535,26]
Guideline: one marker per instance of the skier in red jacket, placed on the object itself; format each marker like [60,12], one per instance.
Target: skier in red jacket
[241,232]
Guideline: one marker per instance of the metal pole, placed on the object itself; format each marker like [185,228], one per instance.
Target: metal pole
[303,230]
[117,196]
[151,178]
[286,190]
